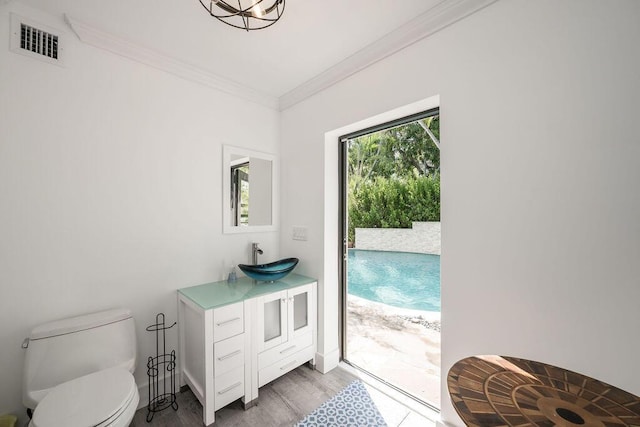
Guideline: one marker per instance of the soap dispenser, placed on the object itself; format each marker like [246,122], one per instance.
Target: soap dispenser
[232,276]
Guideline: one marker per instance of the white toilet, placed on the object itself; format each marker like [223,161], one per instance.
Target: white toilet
[78,371]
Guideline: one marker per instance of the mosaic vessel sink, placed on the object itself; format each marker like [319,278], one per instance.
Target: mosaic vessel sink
[269,272]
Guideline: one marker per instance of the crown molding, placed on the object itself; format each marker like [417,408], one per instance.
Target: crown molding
[127,49]
[433,20]
[440,16]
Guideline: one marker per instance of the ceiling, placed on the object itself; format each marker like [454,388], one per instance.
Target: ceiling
[311,36]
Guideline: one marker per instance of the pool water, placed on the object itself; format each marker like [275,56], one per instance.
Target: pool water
[400,279]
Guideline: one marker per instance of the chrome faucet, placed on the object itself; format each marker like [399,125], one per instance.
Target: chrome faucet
[255,250]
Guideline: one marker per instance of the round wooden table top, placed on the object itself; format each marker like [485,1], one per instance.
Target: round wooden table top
[506,391]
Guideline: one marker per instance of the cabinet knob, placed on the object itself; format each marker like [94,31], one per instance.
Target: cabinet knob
[284,299]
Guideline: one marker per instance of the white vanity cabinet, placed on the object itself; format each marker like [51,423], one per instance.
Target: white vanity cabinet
[237,337]
[283,333]
[214,354]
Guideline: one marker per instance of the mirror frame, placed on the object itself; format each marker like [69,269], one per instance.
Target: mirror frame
[227,152]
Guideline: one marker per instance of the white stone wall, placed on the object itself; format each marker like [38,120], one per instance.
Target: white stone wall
[423,237]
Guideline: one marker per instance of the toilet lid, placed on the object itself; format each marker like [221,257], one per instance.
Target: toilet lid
[86,401]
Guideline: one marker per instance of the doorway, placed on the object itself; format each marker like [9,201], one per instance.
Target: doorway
[390,253]
[240,193]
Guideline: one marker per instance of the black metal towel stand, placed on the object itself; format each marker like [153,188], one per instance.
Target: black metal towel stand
[161,396]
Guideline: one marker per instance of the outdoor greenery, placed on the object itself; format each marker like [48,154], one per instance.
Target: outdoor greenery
[394,176]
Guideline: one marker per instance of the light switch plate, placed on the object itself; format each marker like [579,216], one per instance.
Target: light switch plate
[299,233]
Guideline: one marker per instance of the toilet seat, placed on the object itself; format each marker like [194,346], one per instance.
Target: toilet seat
[104,398]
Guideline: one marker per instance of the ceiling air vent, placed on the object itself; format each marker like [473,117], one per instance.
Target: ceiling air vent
[35,40]
[38,41]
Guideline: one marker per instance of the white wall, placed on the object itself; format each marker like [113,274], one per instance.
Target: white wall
[540,146]
[110,190]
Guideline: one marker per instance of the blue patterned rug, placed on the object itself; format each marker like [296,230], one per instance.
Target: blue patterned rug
[351,407]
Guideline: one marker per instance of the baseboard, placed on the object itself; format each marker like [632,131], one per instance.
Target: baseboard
[440,423]
[21,413]
[328,361]
[143,391]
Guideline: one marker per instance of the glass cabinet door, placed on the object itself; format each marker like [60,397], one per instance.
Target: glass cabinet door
[272,318]
[301,310]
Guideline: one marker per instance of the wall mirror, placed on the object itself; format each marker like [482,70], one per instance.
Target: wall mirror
[249,190]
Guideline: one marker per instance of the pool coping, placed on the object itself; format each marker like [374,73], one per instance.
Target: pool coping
[432,316]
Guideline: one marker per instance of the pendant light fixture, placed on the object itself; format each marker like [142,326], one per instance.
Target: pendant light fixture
[248,15]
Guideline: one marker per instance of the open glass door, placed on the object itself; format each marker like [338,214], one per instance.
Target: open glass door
[390,208]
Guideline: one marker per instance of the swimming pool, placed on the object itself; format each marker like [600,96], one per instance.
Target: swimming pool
[400,279]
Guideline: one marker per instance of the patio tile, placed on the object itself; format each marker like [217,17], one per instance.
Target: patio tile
[407,354]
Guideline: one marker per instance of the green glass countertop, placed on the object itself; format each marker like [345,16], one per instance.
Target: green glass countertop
[217,294]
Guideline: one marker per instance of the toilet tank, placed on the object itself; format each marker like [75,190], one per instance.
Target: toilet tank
[66,349]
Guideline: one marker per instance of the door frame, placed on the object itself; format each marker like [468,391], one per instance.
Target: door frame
[343,250]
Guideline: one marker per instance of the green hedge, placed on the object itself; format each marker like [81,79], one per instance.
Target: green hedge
[392,203]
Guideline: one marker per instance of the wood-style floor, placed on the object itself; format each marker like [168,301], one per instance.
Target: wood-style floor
[283,402]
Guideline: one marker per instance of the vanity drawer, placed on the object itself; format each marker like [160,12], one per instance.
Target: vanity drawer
[229,387]
[285,365]
[228,354]
[271,356]
[228,321]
